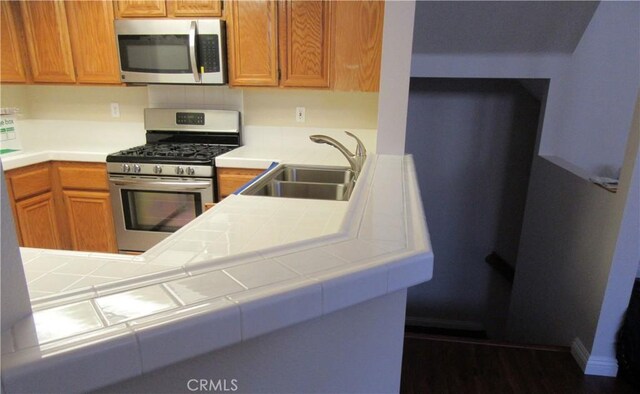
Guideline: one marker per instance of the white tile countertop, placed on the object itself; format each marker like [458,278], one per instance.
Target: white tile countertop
[237,225]
[206,287]
[24,158]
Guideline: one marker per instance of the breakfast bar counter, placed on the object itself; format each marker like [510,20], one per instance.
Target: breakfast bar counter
[249,268]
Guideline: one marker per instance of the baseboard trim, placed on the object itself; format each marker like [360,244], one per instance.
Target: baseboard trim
[462,325]
[592,365]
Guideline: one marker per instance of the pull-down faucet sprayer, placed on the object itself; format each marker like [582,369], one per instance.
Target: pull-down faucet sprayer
[356,161]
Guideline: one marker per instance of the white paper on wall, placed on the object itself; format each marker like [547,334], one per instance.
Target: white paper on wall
[9,141]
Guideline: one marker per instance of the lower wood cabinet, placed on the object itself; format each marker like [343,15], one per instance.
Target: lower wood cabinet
[62,205]
[231,179]
[37,222]
[90,220]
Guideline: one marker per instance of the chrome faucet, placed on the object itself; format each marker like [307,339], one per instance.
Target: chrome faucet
[356,161]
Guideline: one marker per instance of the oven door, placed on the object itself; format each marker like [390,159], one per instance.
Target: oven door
[148,209]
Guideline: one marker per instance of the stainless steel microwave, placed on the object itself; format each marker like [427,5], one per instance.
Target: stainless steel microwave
[172,51]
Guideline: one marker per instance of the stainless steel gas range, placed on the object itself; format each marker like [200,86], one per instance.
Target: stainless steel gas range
[159,187]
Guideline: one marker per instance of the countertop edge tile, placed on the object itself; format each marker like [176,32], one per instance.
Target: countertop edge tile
[286,306]
[342,291]
[180,335]
[118,351]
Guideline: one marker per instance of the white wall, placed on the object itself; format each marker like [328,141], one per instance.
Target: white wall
[568,239]
[591,93]
[570,251]
[355,350]
[600,90]
[578,259]
[570,230]
[15,296]
[394,75]
[627,252]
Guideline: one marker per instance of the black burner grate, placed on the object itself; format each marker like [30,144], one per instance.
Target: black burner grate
[186,151]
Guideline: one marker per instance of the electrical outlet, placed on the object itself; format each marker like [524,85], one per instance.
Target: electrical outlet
[300,114]
[115,110]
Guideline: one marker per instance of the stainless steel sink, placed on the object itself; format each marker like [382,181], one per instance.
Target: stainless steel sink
[320,183]
[318,191]
[314,174]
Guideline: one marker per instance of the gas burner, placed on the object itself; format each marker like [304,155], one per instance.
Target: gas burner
[157,152]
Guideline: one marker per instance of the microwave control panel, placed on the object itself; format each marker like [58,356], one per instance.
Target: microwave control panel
[209,52]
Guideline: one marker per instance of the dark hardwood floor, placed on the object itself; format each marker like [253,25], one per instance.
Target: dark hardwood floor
[442,364]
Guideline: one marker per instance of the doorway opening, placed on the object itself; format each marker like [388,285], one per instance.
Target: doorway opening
[473,142]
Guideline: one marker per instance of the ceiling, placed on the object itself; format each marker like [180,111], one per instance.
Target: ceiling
[450,27]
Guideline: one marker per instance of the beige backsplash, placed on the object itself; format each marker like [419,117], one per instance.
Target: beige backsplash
[327,109]
[259,106]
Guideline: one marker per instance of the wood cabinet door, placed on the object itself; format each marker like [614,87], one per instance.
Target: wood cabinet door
[90,221]
[183,8]
[231,179]
[12,67]
[36,219]
[305,43]
[47,33]
[140,9]
[93,41]
[357,45]
[252,42]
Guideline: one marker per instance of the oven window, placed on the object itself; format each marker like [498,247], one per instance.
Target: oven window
[159,211]
[155,53]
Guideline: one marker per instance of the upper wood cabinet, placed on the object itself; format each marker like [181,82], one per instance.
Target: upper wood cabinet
[272,43]
[47,33]
[186,8]
[93,41]
[169,8]
[312,44]
[140,9]
[305,43]
[252,44]
[69,42]
[12,67]
[357,45]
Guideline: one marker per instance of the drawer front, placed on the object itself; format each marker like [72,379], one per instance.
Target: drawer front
[91,176]
[31,182]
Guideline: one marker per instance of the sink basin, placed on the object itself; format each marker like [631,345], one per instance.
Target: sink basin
[315,175]
[320,183]
[318,191]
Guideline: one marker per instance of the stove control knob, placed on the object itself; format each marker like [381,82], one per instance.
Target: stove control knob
[157,169]
[136,168]
[191,171]
[126,168]
[179,170]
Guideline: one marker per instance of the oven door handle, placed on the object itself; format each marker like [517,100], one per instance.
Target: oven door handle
[185,185]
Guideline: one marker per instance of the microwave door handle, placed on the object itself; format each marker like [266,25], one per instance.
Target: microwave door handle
[192,51]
